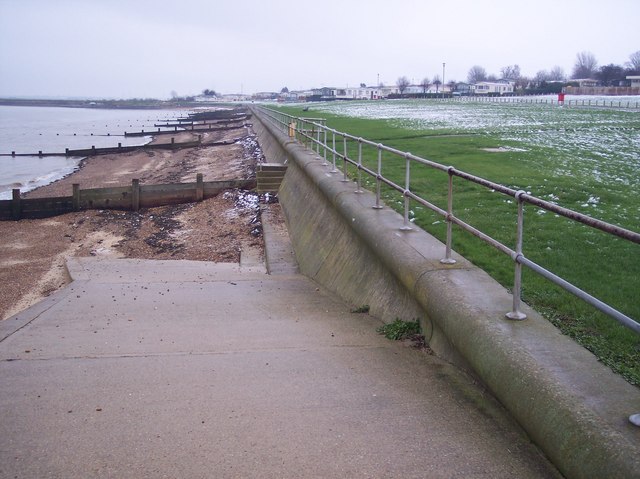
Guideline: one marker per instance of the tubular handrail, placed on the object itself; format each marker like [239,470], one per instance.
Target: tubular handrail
[315,133]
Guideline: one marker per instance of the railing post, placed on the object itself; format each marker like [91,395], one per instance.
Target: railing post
[515,312]
[377,206]
[324,144]
[359,188]
[407,190]
[447,255]
[333,151]
[345,179]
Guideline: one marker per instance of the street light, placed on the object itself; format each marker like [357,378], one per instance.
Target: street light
[443,64]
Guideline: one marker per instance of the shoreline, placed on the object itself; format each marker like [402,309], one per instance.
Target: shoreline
[33,252]
[29,131]
[151,104]
[83,161]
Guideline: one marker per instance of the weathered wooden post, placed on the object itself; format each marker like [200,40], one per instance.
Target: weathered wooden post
[199,187]
[15,205]
[119,146]
[76,196]
[40,153]
[135,194]
[13,153]
[66,152]
[93,150]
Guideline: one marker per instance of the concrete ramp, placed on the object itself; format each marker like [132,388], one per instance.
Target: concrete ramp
[200,370]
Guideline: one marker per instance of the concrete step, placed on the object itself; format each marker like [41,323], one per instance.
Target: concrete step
[269,177]
[272,167]
[270,174]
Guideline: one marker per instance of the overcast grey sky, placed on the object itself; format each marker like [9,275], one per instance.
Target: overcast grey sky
[139,48]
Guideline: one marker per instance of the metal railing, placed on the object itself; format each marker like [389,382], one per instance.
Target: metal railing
[314,134]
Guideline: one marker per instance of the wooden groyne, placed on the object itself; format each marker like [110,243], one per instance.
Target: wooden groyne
[201,122]
[93,151]
[188,122]
[238,113]
[193,129]
[130,198]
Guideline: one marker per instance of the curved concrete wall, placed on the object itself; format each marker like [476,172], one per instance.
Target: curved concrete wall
[573,407]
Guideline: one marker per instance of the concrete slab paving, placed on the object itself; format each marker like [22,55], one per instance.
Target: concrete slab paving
[192,369]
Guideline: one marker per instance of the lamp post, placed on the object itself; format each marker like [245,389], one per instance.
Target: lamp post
[443,64]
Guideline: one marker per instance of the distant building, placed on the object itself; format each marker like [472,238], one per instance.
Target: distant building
[462,88]
[207,98]
[414,90]
[497,88]
[266,95]
[322,94]
[235,97]
[585,82]
[634,80]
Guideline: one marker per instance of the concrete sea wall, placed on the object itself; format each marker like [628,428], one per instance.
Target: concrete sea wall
[575,409]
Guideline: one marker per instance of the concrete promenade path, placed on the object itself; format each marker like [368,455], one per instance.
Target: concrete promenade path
[161,369]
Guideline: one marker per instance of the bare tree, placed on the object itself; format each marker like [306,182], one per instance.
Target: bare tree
[523,82]
[634,61]
[610,74]
[476,74]
[510,72]
[437,82]
[557,74]
[425,84]
[402,83]
[585,65]
[542,75]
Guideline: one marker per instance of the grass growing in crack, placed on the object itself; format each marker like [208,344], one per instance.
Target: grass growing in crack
[399,329]
[361,309]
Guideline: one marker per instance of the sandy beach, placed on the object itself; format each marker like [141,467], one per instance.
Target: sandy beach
[33,252]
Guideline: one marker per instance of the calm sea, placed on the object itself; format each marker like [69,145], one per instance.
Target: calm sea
[51,130]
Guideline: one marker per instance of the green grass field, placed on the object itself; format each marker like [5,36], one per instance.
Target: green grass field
[584,159]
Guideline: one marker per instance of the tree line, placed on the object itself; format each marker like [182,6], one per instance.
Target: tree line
[585,66]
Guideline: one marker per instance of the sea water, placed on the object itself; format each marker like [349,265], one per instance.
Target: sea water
[51,130]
